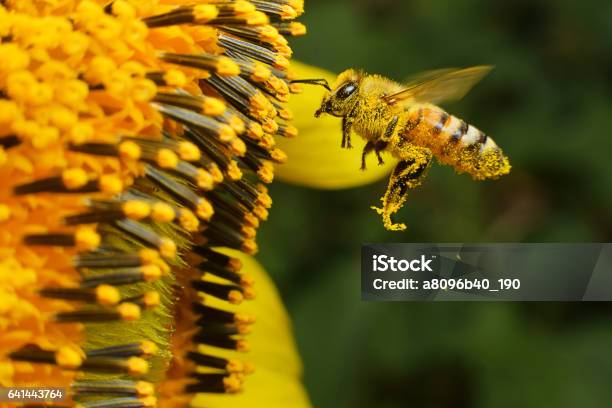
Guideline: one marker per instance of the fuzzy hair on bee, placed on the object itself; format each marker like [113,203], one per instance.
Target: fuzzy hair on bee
[406,121]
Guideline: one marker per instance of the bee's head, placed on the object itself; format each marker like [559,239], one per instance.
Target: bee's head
[342,96]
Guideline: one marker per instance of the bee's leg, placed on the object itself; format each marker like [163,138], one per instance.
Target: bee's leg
[408,173]
[379,147]
[367,149]
[381,143]
[390,129]
[347,125]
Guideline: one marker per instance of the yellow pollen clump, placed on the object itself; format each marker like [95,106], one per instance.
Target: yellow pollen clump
[81,132]
[13,58]
[269,127]
[110,184]
[250,247]
[133,68]
[237,124]
[266,173]
[248,232]
[226,66]
[282,62]
[150,272]
[243,346]
[279,155]
[74,178]
[234,366]
[216,173]
[232,384]
[261,213]
[298,29]
[265,200]
[205,210]
[235,297]
[288,12]
[8,112]
[162,212]
[189,221]
[167,159]
[213,106]
[175,78]
[165,268]
[296,88]
[149,256]
[107,295]
[144,388]
[226,133]
[244,318]
[87,239]
[137,366]
[136,209]
[205,12]
[129,311]
[189,152]
[46,136]
[151,299]
[249,293]
[148,348]
[205,180]
[167,248]
[63,118]
[72,93]
[69,357]
[100,70]
[243,7]
[18,84]
[233,171]
[244,328]
[238,147]
[148,402]
[291,131]
[129,150]
[247,280]
[5,212]
[261,73]
[257,18]
[235,264]
[123,9]
[143,90]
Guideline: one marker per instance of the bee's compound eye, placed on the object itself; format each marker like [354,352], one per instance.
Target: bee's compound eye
[346,90]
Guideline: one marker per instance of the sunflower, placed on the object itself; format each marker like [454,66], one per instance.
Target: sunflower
[137,138]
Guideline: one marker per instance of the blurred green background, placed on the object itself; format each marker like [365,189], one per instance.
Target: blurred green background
[548,104]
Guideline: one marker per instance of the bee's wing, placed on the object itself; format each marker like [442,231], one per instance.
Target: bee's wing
[440,85]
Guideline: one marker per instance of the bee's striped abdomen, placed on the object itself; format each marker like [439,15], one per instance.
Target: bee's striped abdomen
[455,142]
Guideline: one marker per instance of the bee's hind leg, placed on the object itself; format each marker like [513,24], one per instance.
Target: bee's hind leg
[367,149]
[379,147]
[370,146]
[408,173]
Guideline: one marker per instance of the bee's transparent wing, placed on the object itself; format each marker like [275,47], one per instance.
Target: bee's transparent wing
[441,85]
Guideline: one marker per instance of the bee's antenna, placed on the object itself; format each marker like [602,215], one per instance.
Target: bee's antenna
[321,82]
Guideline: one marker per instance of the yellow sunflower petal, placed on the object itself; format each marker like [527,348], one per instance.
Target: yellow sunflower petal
[315,157]
[276,381]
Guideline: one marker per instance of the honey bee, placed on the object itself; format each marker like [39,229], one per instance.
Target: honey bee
[404,120]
